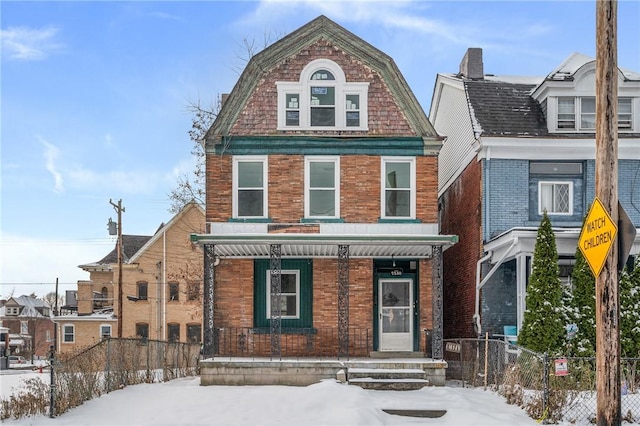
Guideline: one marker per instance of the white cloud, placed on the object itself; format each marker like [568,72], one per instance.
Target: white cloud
[51,153]
[29,44]
[116,181]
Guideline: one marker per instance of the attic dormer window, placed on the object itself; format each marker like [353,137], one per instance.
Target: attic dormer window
[322,99]
[579,113]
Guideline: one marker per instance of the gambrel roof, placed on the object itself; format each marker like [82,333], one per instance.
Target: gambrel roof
[321,28]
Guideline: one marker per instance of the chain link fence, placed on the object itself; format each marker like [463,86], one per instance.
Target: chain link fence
[549,389]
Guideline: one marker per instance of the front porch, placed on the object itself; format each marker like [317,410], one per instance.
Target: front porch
[300,357]
[371,373]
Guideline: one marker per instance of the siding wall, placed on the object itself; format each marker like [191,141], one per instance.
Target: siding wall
[511,198]
[454,123]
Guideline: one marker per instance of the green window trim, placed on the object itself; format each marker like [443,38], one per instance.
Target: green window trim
[305,318]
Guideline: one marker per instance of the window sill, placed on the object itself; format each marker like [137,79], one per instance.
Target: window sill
[321,220]
[286,330]
[398,220]
[250,220]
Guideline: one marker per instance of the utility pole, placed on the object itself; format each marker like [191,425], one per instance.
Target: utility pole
[608,407]
[119,209]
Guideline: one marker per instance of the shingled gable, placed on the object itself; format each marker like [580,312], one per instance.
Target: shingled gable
[130,246]
[322,28]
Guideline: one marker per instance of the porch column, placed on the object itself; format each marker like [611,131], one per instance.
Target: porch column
[275,254]
[343,301]
[437,297]
[208,329]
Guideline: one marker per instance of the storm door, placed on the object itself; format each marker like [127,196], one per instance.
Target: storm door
[395,306]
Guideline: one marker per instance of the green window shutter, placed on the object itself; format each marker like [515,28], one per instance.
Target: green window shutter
[305,266]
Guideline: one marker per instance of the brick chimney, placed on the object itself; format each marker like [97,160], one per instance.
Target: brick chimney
[471,66]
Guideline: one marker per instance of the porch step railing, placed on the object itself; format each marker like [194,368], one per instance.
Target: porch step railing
[299,342]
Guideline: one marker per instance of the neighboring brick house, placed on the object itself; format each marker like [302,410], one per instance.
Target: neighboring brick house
[322,222]
[516,146]
[30,325]
[162,295]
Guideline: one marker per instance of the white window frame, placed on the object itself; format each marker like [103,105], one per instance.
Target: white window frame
[13,311]
[307,185]
[265,180]
[102,335]
[578,115]
[302,89]
[412,188]
[65,334]
[295,272]
[554,183]
[24,327]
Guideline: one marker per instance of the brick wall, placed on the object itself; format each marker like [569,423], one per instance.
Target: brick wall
[461,215]
[260,115]
[172,258]
[359,188]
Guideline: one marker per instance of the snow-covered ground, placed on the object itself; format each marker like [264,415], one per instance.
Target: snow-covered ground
[185,402]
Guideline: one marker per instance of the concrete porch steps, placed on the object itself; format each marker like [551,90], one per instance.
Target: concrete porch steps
[381,378]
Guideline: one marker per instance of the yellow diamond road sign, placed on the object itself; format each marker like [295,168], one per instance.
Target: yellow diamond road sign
[597,237]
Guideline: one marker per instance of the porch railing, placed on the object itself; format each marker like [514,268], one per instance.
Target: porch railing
[303,342]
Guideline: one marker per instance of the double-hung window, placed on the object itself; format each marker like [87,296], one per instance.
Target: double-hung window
[174,291]
[322,187]
[142,290]
[173,332]
[142,330]
[398,188]
[567,113]
[625,114]
[579,113]
[105,331]
[289,299]
[68,333]
[322,99]
[250,187]
[588,113]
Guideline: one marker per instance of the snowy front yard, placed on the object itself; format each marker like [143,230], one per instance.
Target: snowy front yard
[185,402]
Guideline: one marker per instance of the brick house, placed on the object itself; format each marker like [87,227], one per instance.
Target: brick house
[161,288]
[321,220]
[29,324]
[516,146]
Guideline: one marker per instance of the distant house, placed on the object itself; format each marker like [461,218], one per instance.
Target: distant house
[322,233]
[515,147]
[161,289]
[30,325]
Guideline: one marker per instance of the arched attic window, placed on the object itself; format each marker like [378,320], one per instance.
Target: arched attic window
[322,99]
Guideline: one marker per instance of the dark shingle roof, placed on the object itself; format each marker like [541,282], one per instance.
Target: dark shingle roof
[504,109]
[130,246]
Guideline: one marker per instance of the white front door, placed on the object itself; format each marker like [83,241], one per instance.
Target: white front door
[395,314]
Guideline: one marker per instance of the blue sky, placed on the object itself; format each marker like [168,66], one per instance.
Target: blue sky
[94,97]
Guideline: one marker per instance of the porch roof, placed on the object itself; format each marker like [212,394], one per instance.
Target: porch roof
[326,245]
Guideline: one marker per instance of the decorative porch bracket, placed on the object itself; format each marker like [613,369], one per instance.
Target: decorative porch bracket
[275,255]
[436,336]
[343,301]
[209,335]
